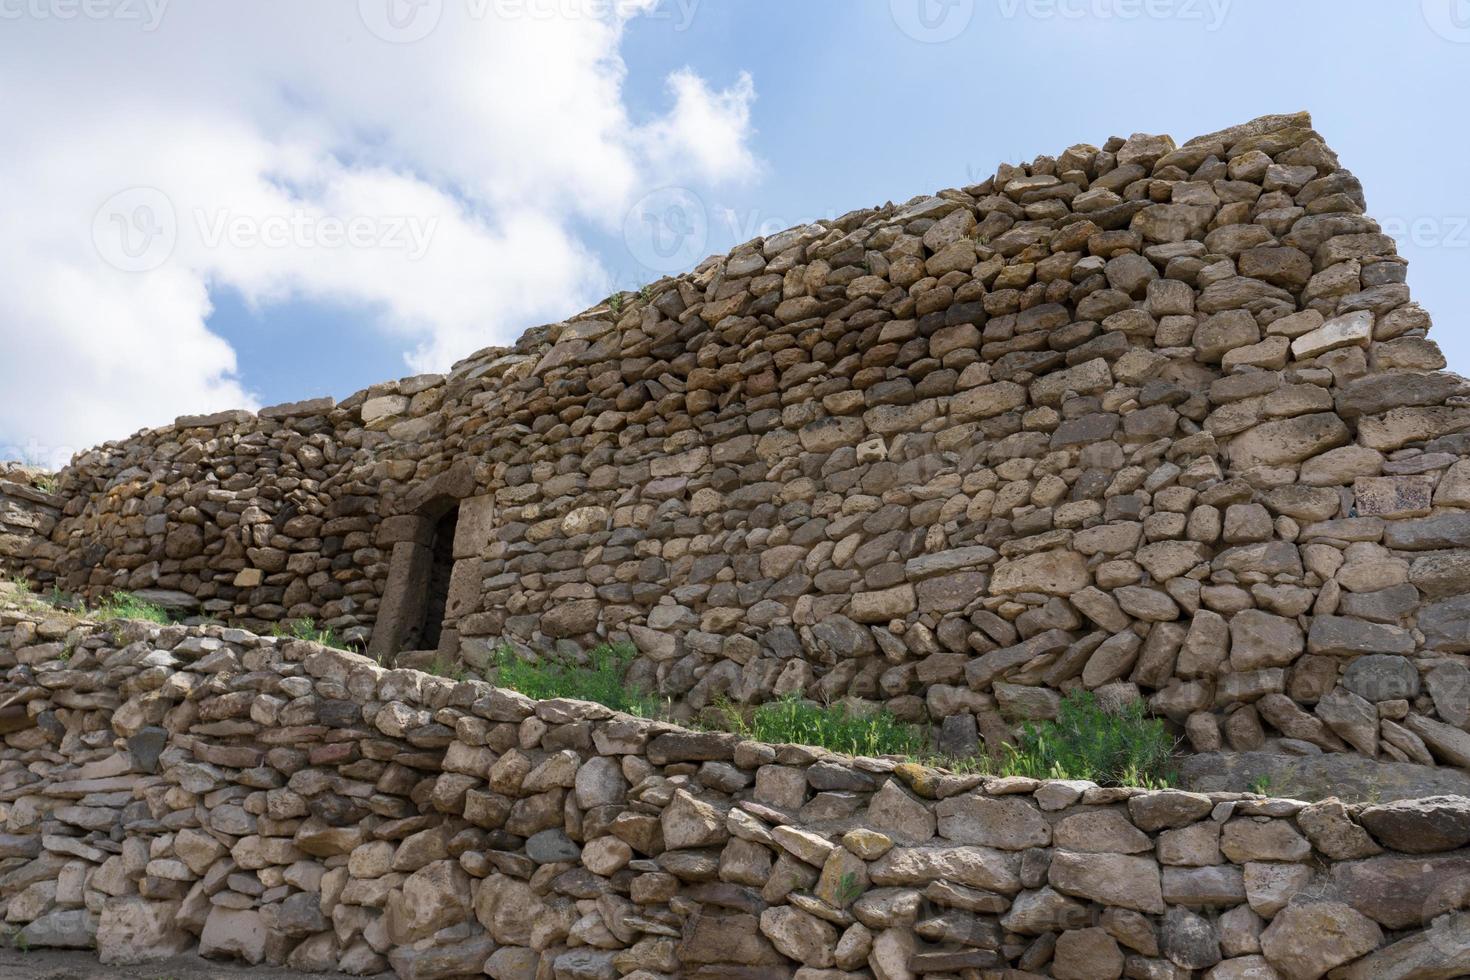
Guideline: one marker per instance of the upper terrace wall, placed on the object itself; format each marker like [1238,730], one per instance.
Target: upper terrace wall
[248,518]
[1156,418]
[28,516]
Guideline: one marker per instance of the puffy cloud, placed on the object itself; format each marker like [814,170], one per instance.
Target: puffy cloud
[427,161]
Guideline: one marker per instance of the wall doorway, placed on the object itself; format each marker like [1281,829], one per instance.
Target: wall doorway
[436,586]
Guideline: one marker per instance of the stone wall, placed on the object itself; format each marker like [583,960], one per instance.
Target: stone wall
[252,519]
[1155,419]
[270,800]
[28,516]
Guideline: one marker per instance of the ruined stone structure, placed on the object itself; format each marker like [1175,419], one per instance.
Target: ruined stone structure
[1155,419]
[271,800]
[28,516]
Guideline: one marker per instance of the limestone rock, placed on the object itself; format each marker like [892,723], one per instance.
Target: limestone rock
[1112,879]
[1305,941]
[1424,826]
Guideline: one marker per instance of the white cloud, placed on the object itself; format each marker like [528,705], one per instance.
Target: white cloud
[707,127]
[304,151]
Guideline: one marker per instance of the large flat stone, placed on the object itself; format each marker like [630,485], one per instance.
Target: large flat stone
[1316,777]
[1442,531]
[1049,572]
[1112,879]
[1286,442]
[1401,891]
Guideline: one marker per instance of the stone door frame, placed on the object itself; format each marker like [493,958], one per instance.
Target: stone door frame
[410,534]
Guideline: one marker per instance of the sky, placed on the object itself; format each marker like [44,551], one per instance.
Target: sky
[210,204]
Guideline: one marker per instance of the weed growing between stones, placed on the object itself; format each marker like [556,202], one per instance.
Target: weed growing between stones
[16,585]
[307,629]
[125,605]
[440,666]
[1122,747]
[601,679]
[836,727]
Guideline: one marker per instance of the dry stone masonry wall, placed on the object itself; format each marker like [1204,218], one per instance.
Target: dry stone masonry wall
[28,515]
[1152,419]
[251,518]
[271,800]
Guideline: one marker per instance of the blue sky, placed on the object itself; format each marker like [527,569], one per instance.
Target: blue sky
[746,117]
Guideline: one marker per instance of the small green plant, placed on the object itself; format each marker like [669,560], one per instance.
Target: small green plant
[125,605]
[1086,741]
[18,584]
[647,293]
[47,484]
[602,679]
[307,629]
[835,727]
[615,303]
[1261,785]
[441,666]
[848,889]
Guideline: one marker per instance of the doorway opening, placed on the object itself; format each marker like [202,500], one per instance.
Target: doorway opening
[436,586]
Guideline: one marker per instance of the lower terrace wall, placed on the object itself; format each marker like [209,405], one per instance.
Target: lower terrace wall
[271,800]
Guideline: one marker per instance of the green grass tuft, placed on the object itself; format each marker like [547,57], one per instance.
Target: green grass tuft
[441,666]
[307,629]
[125,605]
[17,584]
[1111,748]
[602,679]
[835,727]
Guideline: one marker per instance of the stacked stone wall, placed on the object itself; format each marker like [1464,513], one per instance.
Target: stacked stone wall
[254,519]
[29,512]
[1156,420]
[165,789]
